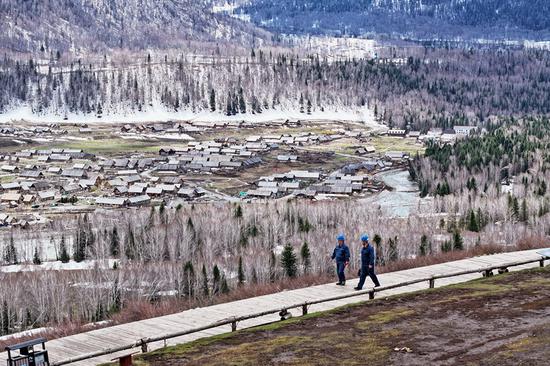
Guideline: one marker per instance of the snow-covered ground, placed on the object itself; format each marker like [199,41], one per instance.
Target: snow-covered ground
[59,266]
[159,114]
[26,333]
[334,48]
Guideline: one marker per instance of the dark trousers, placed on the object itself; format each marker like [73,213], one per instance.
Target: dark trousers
[340,267]
[366,271]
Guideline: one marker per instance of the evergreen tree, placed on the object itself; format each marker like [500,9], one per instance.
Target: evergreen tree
[130,247]
[458,243]
[212,100]
[473,223]
[216,280]
[272,267]
[238,211]
[64,254]
[5,328]
[446,246]
[205,289]
[240,272]
[10,252]
[224,287]
[36,258]
[114,246]
[306,257]
[242,103]
[188,278]
[116,297]
[524,214]
[288,261]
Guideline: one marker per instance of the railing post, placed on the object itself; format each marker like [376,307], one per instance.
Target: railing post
[488,273]
[304,309]
[234,326]
[144,348]
[541,263]
[432,282]
[371,295]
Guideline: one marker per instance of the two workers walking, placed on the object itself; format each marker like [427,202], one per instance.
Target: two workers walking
[341,255]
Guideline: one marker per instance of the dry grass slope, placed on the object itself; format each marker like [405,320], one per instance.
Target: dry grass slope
[503,320]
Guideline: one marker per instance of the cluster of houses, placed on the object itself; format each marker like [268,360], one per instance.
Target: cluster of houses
[24,221]
[202,126]
[348,180]
[41,177]
[448,135]
[32,131]
[212,156]
[297,139]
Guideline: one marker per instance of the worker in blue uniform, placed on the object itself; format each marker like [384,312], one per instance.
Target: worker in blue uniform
[368,258]
[341,256]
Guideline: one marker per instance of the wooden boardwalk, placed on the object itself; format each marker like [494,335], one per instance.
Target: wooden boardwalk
[79,344]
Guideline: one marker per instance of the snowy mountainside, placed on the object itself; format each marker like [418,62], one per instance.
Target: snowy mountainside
[84,26]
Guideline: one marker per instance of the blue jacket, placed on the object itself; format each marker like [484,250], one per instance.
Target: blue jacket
[341,253]
[368,256]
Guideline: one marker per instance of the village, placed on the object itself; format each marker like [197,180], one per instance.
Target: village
[132,165]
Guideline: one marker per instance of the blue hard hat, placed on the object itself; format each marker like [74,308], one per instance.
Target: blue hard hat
[364,237]
[341,237]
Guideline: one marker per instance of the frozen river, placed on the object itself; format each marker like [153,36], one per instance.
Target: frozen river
[402,201]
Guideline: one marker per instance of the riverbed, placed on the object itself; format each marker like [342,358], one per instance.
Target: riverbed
[404,198]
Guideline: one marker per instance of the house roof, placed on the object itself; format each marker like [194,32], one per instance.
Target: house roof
[111,201]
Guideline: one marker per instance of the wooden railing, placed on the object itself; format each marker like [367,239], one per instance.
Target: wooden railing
[233,321]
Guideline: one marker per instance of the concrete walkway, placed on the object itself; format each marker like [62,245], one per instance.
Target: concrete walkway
[79,344]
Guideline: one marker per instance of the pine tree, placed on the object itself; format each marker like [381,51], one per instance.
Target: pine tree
[240,272]
[216,280]
[288,261]
[5,329]
[473,224]
[10,252]
[212,100]
[306,257]
[238,211]
[36,258]
[224,287]
[130,247]
[205,289]
[272,267]
[116,299]
[115,243]
[524,214]
[242,103]
[64,254]
[458,243]
[188,278]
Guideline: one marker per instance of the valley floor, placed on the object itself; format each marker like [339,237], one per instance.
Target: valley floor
[503,320]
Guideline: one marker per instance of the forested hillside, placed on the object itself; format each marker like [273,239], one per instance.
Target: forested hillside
[421,89]
[411,18]
[79,26]
[511,160]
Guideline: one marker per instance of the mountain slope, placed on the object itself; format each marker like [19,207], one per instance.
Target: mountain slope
[98,25]
[420,18]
